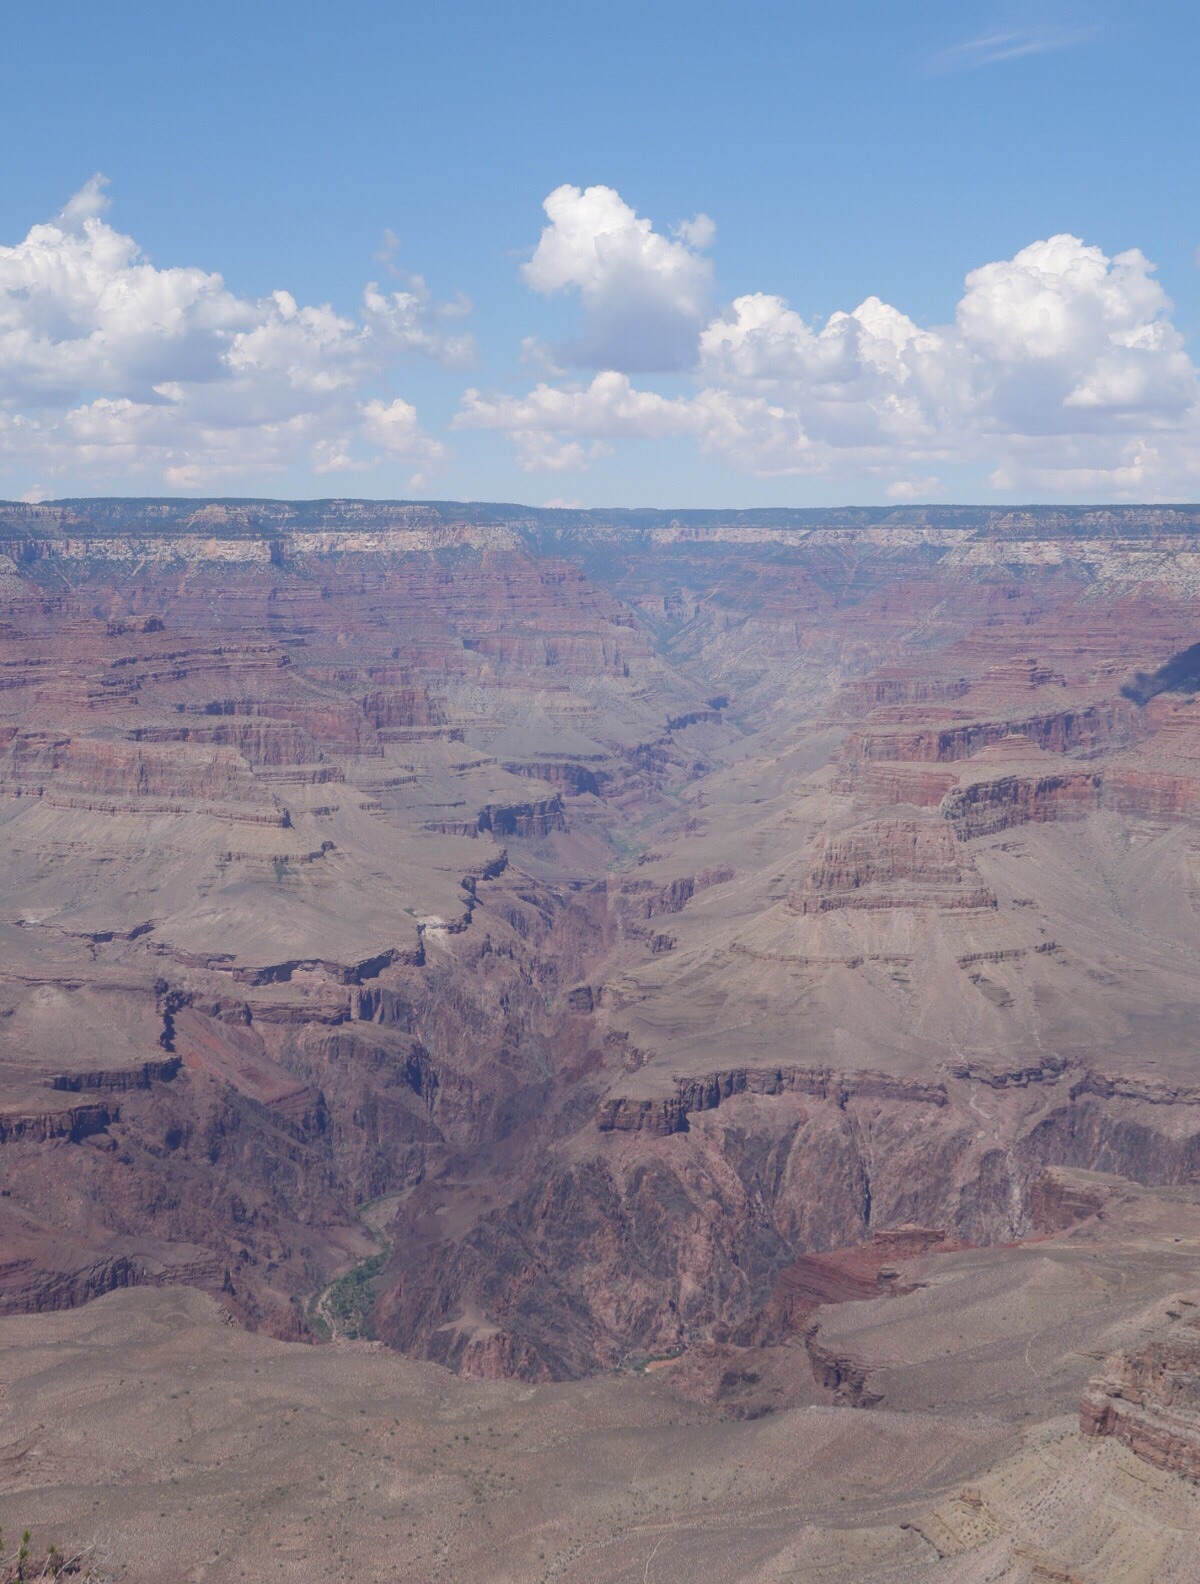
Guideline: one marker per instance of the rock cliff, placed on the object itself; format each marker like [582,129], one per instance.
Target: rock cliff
[1150,1398]
[639,907]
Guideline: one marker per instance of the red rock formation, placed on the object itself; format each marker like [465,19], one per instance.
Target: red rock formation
[920,786]
[66,1122]
[569,776]
[646,900]
[1087,730]
[890,864]
[669,1113]
[429,1032]
[528,821]
[983,807]
[1150,1399]
[120,1079]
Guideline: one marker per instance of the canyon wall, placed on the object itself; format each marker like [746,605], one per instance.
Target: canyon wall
[636,904]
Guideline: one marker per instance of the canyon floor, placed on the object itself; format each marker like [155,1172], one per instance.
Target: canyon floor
[180,1446]
[549,1045]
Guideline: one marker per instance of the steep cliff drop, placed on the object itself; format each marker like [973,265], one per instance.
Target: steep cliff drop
[732,974]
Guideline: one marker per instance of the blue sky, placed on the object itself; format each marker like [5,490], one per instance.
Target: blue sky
[871,153]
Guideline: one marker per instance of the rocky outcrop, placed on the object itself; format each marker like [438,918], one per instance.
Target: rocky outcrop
[888,783]
[401,709]
[1121,1136]
[843,1276]
[892,685]
[353,973]
[1058,1200]
[890,864]
[984,806]
[1088,729]
[118,1080]
[1045,1067]
[337,725]
[669,1113]
[527,821]
[981,808]
[119,776]
[1149,1091]
[846,1378]
[659,1117]
[695,717]
[569,775]
[1151,794]
[27,1289]
[1149,1399]
[645,899]
[68,1122]
[264,744]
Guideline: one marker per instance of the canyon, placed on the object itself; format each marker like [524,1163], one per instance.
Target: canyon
[707,995]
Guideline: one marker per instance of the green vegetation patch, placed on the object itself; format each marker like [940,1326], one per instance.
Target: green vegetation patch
[351,1296]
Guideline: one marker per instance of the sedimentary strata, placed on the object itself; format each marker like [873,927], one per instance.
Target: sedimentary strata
[639,905]
[1150,1398]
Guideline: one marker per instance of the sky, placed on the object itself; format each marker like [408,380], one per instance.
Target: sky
[693,255]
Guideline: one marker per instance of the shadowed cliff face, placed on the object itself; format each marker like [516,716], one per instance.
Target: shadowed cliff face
[635,908]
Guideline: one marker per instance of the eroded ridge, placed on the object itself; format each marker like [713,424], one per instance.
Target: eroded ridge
[651,902]
[1149,1398]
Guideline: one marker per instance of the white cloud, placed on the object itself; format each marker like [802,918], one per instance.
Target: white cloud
[333,454]
[91,200]
[999,45]
[644,296]
[1058,372]
[914,489]
[1068,339]
[110,366]
[1061,371]
[608,406]
[394,427]
[408,321]
[541,453]
[698,232]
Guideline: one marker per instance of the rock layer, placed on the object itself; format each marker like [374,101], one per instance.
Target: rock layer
[1150,1399]
[642,907]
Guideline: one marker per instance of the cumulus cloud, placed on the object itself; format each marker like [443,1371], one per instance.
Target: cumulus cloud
[393,427]
[541,422]
[1061,370]
[1066,338]
[644,295]
[110,366]
[608,406]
